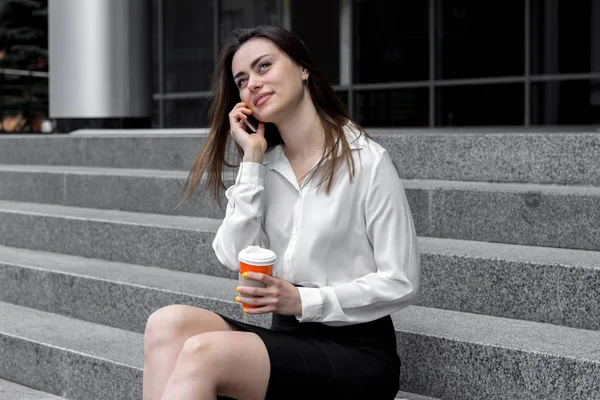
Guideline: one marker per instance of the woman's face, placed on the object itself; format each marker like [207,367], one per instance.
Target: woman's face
[267,79]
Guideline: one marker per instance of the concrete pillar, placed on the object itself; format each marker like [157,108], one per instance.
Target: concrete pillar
[100,63]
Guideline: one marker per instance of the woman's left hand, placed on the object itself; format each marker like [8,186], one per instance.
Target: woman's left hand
[280,296]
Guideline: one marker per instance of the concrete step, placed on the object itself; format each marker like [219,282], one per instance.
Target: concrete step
[454,355]
[68,357]
[566,157]
[109,293]
[530,214]
[173,242]
[536,284]
[13,391]
[445,354]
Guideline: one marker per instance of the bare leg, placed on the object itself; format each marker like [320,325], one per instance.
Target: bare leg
[167,330]
[232,364]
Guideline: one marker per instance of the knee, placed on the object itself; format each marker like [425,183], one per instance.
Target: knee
[206,350]
[164,324]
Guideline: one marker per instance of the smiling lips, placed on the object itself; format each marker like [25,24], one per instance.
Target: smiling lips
[262,98]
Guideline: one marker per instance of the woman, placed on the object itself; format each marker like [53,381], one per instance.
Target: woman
[327,200]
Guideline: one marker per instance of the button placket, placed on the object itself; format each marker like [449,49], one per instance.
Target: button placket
[291,249]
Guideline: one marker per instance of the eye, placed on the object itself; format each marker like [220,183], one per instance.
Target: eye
[265,65]
[241,82]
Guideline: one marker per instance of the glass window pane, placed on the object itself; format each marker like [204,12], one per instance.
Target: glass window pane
[186,113]
[390,41]
[388,108]
[565,103]
[320,31]
[155,78]
[343,96]
[188,45]
[565,36]
[155,114]
[23,103]
[479,38]
[24,50]
[235,14]
[501,104]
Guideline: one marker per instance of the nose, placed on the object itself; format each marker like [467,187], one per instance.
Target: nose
[254,83]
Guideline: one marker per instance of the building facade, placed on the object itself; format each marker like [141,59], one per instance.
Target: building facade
[420,63]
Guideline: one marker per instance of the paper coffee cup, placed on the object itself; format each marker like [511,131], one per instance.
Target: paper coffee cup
[255,259]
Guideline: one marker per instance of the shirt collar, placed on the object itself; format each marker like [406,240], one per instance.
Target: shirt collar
[275,158]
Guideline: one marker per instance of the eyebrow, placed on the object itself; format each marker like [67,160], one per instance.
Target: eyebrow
[252,65]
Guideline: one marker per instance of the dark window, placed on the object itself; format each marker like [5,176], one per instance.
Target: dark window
[479,38]
[24,51]
[403,107]
[565,103]
[186,113]
[390,41]
[156,114]
[565,36]
[480,105]
[188,45]
[235,14]
[343,97]
[320,31]
[156,4]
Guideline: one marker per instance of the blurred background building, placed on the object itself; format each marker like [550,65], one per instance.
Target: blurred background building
[419,63]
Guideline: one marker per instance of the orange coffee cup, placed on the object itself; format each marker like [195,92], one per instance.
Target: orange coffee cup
[255,259]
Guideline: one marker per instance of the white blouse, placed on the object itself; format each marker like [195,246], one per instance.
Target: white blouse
[354,251]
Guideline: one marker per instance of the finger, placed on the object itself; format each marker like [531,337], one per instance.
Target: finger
[257,276]
[261,129]
[260,310]
[254,301]
[254,291]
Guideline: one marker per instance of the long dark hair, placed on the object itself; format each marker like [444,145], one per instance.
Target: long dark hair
[332,113]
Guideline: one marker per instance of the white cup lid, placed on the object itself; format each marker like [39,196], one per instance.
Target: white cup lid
[256,255]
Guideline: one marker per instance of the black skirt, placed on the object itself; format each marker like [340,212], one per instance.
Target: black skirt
[315,361]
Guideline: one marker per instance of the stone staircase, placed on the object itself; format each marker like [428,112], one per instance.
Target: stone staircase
[509,226]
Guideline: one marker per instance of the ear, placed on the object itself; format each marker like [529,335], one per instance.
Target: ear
[305,73]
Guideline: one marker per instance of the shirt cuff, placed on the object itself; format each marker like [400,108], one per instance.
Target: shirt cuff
[252,173]
[312,305]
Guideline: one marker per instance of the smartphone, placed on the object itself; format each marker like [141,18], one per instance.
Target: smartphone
[252,123]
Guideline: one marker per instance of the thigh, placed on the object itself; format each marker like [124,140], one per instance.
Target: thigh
[238,360]
[186,321]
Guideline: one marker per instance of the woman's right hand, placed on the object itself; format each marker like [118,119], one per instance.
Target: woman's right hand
[254,145]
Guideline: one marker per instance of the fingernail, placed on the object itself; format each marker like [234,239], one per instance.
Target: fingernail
[245,310]
[237,288]
[245,274]
[249,109]
[237,299]
[243,102]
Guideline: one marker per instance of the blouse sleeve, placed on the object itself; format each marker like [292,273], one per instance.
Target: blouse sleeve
[396,283]
[242,225]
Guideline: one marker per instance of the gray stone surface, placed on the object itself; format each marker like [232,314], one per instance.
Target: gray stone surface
[13,391]
[34,186]
[70,358]
[455,355]
[567,217]
[179,243]
[462,278]
[109,293]
[564,157]
[532,214]
[557,286]
[445,354]
[120,151]
[140,190]
[411,396]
